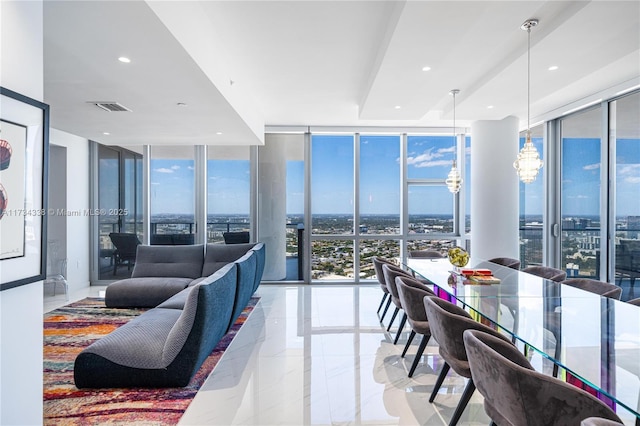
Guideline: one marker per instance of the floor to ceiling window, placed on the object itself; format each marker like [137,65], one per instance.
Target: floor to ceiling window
[119,208]
[624,115]
[379,200]
[332,209]
[581,233]
[228,191]
[172,195]
[532,207]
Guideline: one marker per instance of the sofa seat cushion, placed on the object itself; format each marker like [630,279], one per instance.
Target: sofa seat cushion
[145,292]
[169,261]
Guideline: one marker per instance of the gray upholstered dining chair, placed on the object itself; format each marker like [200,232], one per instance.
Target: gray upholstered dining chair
[390,273]
[448,322]
[506,261]
[547,272]
[412,293]
[635,301]
[594,286]
[377,264]
[599,421]
[515,394]
[426,254]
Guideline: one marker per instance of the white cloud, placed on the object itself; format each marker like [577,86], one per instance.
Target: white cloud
[155,183]
[591,166]
[163,170]
[191,168]
[430,158]
[176,167]
[632,179]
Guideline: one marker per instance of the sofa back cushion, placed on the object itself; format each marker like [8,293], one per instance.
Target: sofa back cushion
[246,279]
[169,261]
[218,255]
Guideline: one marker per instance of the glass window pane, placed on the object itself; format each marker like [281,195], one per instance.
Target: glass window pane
[441,246]
[228,191]
[388,249]
[430,209]
[172,195]
[626,132]
[581,159]
[531,207]
[380,184]
[429,157]
[332,260]
[332,184]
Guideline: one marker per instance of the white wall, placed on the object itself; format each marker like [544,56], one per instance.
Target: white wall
[77,201]
[21,70]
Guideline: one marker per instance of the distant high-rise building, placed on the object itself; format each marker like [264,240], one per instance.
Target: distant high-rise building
[633,226]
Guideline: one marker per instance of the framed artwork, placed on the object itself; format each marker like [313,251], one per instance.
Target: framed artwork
[24,147]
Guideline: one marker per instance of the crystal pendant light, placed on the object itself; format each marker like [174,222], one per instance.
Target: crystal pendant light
[528,162]
[454,181]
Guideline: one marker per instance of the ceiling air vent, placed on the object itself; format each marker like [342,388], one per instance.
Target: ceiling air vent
[111,106]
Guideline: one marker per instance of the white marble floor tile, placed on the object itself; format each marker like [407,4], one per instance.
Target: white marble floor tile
[319,355]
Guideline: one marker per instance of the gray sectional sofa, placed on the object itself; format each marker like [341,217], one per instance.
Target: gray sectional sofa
[196,297]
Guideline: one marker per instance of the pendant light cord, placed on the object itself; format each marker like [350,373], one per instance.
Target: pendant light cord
[528,79]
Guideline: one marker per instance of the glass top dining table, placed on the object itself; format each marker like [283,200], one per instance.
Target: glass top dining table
[595,339]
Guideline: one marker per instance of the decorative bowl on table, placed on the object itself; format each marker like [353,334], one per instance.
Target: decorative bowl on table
[458,257]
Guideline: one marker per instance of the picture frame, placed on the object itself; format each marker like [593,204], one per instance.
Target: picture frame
[24,158]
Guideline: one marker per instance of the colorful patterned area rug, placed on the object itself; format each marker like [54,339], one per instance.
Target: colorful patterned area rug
[68,330]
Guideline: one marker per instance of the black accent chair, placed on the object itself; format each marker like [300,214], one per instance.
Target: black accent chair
[241,237]
[172,239]
[126,245]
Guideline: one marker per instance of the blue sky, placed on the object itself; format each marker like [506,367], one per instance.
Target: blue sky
[428,157]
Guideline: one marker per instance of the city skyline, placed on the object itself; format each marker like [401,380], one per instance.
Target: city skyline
[428,157]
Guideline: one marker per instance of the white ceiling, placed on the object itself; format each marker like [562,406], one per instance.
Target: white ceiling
[243,65]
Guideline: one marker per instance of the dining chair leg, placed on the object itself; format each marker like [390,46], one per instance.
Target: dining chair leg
[421,348]
[464,400]
[386,308]
[557,357]
[393,317]
[493,423]
[402,323]
[409,340]
[441,376]
[384,297]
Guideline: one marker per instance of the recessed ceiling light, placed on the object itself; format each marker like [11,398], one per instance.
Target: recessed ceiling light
[218,133]
[490,106]
[181,104]
[106,133]
[124,59]
[426,68]
[553,67]
[397,107]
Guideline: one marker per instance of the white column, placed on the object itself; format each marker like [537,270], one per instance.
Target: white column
[494,189]
[272,205]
